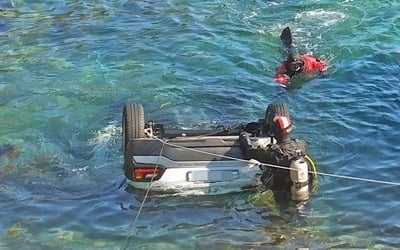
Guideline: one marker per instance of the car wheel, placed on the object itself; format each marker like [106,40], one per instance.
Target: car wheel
[273,110]
[132,123]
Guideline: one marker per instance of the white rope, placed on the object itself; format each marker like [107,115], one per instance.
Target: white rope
[252,161]
[128,238]
[360,179]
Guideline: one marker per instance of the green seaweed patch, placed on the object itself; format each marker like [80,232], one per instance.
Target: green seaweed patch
[15,230]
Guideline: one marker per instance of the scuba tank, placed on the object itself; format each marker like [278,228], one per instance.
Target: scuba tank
[299,179]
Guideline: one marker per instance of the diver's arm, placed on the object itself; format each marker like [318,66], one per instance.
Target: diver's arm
[281,75]
[319,65]
[245,144]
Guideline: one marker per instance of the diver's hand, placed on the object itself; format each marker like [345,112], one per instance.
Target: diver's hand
[253,163]
[282,79]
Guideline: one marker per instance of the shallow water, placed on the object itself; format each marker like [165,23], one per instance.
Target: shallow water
[67,67]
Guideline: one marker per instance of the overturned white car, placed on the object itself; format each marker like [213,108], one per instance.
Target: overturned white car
[191,161]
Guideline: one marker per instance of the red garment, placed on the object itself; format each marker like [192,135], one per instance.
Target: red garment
[311,64]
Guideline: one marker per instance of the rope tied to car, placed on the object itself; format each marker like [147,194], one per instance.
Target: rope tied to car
[129,237]
[254,162]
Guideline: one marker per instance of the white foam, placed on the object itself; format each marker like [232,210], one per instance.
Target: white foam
[250,16]
[106,135]
[320,16]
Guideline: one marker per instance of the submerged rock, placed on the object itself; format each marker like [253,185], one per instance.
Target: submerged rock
[15,230]
[8,149]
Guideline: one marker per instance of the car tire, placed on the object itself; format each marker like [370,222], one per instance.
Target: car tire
[273,110]
[132,123]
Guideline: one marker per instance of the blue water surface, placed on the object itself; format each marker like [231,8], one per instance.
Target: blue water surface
[67,67]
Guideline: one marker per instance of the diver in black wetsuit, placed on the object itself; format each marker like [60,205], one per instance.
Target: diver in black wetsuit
[282,153]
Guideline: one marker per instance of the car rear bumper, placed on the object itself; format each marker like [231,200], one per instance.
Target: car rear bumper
[203,180]
[200,165]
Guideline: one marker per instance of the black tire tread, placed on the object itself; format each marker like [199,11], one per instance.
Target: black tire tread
[135,120]
[132,123]
[275,109]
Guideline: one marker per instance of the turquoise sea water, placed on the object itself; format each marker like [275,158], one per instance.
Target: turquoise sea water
[67,67]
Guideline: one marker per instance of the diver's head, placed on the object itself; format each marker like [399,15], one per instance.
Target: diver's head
[294,64]
[282,127]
